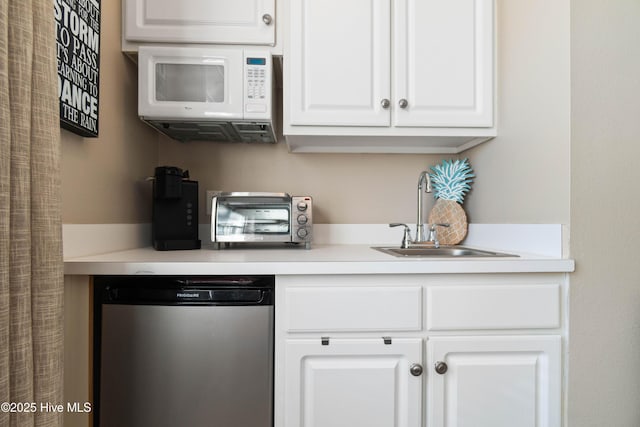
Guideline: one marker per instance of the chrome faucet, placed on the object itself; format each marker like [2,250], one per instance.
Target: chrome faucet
[406,236]
[423,181]
[424,185]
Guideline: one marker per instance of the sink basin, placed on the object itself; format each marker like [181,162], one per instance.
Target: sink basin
[441,252]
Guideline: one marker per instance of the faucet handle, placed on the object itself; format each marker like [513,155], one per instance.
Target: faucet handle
[433,235]
[406,237]
[433,226]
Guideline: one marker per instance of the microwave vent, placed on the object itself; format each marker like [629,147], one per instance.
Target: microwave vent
[217,131]
[255,131]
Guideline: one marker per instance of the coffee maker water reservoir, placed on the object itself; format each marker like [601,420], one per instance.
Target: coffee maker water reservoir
[174,219]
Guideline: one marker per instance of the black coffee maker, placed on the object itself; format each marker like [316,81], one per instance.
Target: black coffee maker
[174,219]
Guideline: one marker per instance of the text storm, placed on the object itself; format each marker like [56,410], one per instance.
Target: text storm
[78,52]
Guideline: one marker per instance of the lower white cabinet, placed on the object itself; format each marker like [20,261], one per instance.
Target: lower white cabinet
[467,350]
[353,382]
[494,381]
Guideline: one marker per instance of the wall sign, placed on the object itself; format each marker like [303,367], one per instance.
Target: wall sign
[78,52]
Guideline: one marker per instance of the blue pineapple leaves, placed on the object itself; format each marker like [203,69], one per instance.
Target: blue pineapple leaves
[451,180]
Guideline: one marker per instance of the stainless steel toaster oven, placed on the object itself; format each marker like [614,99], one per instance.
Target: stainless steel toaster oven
[261,218]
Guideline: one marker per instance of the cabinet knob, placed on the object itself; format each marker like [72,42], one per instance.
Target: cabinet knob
[385,103]
[267,19]
[416,369]
[403,103]
[441,368]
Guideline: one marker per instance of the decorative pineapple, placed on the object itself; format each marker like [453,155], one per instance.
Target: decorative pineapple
[451,182]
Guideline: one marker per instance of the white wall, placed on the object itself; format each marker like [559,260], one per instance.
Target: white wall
[604,377]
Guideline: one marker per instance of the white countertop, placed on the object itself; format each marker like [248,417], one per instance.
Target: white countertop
[321,259]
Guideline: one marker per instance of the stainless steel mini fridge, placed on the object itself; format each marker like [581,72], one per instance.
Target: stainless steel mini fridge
[183,351]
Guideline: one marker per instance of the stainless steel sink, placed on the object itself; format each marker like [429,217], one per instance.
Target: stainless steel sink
[441,252]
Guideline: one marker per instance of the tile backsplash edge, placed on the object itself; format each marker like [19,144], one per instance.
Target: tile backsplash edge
[542,239]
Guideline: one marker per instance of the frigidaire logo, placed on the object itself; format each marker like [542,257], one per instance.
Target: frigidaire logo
[187,295]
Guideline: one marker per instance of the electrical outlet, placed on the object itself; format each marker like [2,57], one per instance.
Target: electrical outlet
[210,195]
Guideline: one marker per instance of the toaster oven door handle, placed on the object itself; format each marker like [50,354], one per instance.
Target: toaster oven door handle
[214,217]
[256,194]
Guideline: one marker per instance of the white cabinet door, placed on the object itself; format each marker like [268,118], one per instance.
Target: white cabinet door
[352,383]
[501,381]
[443,63]
[337,69]
[200,21]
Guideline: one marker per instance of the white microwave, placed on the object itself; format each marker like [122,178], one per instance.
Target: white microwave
[212,94]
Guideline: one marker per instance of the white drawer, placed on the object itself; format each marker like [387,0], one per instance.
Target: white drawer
[379,308]
[493,307]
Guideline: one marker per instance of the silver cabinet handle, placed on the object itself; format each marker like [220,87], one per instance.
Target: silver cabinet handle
[441,368]
[403,103]
[385,103]
[267,19]
[415,369]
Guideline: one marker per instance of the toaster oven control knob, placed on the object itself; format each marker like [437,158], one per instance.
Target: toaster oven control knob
[302,206]
[302,233]
[302,219]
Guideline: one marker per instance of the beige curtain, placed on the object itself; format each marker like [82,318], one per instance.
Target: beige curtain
[31,275]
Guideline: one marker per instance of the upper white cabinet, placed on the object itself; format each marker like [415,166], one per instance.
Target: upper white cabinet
[443,63]
[338,62]
[199,21]
[389,68]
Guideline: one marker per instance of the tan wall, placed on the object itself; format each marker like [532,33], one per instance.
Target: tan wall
[604,373]
[347,188]
[77,347]
[101,177]
[523,175]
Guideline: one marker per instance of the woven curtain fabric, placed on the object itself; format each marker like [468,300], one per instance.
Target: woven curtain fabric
[31,269]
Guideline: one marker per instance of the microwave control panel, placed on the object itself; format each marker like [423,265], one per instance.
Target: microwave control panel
[257,84]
